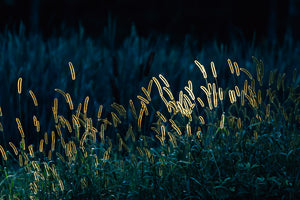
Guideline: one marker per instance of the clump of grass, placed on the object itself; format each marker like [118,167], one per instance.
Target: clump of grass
[217,132]
[210,141]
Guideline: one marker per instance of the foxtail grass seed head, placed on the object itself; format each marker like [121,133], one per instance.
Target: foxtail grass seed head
[215,95]
[168,91]
[22,144]
[3,153]
[20,160]
[172,139]
[52,141]
[61,185]
[188,130]
[245,86]
[31,153]
[78,110]
[231,96]
[26,159]
[213,69]
[38,127]
[200,102]
[49,155]
[202,69]
[41,146]
[210,105]
[201,120]
[69,126]
[164,80]
[116,119]
[237,69]
[145,107]
[155,130]
[85,105]
[222,121]
[190,92]
[252,85]
[14,148]
[72,71]
[162,142]
[187,99]
[99,112]
[177,129]
[258,117]
[33,98]
[20,85]
[205,90]
[132,109]
[230,66]
[239,123]
[163,131]
[247,73]
[181,97]
[242,97]
[143,99]
[146,93]
[69,101]
[161,116]
[1,112]
[237,91]
[140,118]
[102,127]
[20,127]
[58,130]
[61,92]
[34,120]
[220,94]
[46,138]
[18,122]
[149,86]
[259,100]
[209,88]
[164,100]
[158,86]
[190,84]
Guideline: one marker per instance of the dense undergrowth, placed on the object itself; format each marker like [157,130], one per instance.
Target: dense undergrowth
[142,121]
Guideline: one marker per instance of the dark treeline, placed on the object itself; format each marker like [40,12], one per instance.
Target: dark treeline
[203,19]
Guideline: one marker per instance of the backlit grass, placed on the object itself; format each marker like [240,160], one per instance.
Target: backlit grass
[83,121]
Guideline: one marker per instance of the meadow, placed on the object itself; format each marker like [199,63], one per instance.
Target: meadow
[90,118]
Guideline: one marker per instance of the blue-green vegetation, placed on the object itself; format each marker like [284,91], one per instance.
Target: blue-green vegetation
[85,118]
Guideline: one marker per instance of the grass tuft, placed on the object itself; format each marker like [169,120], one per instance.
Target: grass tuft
[229,134]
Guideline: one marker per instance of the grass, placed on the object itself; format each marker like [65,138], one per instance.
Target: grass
[141,120]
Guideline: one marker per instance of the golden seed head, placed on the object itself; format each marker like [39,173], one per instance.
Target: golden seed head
[33,98]
[3,153]
[72,70]
[222,121]
[85,105]
[230,66]
[202,69]
[20,85]
[213,69]
[164,80]
[237,69]
[14,148]
[158,86]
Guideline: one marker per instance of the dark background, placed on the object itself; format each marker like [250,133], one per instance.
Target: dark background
[209,19]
